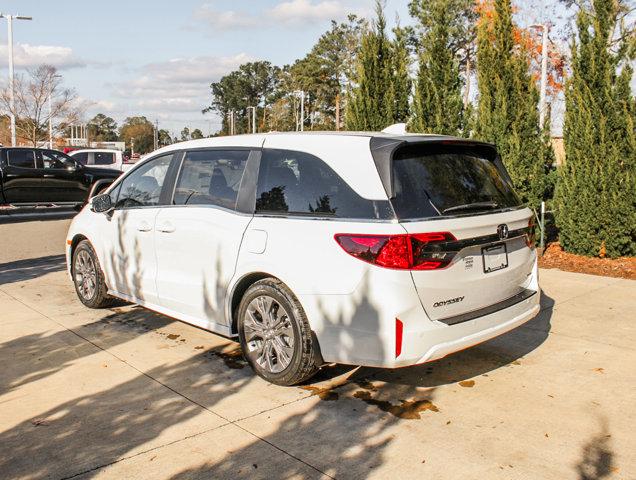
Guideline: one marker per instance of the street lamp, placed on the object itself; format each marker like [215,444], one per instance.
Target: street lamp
[253,110]
[301,95]
[544,71]
[10,19]
[53,77]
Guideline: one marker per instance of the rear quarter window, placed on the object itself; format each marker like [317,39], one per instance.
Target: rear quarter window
[297,183]
[103,158]
[440,180]
[21,158]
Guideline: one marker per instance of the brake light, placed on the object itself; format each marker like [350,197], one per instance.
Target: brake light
[420,251]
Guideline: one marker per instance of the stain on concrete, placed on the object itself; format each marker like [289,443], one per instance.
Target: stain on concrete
[173,336]
[232,358]
[367,385]
[467,383]
[323,393]
[406,410]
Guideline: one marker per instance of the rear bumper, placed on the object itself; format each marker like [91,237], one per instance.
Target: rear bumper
[431,345]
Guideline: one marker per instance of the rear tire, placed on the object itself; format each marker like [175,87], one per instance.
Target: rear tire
[275,335]
[88,277]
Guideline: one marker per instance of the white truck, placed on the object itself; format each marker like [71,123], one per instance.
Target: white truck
[103,158]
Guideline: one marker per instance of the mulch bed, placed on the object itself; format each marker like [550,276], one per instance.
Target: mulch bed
[555,257]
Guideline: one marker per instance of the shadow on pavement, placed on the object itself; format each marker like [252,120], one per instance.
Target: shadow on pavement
[28,269]
[38,355]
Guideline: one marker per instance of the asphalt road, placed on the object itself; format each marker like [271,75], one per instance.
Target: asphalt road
[126,393]
[21,239]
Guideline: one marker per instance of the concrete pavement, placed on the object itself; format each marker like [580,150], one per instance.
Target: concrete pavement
[126,393]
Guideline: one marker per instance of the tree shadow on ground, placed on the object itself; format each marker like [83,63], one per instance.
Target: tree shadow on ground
[95,430]
[30,358]
[23,270]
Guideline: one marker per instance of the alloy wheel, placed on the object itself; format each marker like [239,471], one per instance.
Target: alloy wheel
[269,335]
[85,275]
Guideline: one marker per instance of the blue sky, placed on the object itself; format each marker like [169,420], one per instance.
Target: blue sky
[157,58]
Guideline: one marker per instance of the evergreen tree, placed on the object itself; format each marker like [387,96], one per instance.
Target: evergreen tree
[371,103]
[507,113]
[596,192]
[401,80]
[438,104]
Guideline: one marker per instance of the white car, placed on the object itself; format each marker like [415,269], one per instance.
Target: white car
[103,158]
[311,248]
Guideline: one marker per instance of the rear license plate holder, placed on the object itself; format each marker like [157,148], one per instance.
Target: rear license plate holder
[495,257]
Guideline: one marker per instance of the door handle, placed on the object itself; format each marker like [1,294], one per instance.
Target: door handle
[48,175]
[166,227]
[144,226]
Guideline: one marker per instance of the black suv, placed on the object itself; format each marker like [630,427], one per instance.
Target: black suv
[34,176]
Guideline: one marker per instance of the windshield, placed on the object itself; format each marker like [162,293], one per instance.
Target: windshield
[434,180]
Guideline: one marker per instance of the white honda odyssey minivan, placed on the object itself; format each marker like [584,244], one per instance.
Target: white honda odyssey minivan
[311,248]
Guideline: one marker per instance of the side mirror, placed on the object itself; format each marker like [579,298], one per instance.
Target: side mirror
[102,203]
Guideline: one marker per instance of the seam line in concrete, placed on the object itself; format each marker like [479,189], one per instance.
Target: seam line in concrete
[158,447]
[169,388]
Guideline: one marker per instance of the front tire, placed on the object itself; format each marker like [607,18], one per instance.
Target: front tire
[88,277]
[275,335]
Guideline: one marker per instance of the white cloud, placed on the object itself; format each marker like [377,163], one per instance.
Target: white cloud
[173,91]
[224,20]
[306,11]
[291,13]
[25,55]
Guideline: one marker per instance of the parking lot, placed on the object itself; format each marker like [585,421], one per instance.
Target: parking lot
[126,393]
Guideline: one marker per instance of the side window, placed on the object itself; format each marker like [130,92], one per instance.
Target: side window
[211,177]
[21,158]
[299,183]
[81,158]
[142,187]
[56,160]
[103,158]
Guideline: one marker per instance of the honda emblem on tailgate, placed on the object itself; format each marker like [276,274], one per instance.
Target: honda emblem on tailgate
[502,231]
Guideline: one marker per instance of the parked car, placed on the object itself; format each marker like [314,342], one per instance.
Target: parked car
[37,176]
[102,158]
[311,248]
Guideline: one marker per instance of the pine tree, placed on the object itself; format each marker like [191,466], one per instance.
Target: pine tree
[596,192]
[401,81]
[371,103]
[437,103]
[507,112]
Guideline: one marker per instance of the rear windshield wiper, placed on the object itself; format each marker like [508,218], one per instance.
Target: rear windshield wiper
[472,206]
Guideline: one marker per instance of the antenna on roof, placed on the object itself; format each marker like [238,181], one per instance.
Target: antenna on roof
[396,129]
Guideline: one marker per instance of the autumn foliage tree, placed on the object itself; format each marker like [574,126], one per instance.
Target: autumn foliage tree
[507,113]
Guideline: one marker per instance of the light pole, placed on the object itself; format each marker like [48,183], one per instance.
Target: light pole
[10,19]
[544,71]
[253,109]
[301,95]
[53,77]
[231,121]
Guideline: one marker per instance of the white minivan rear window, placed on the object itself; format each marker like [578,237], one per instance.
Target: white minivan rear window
[441,180]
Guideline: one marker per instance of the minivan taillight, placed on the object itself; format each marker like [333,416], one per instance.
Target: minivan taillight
[419,251]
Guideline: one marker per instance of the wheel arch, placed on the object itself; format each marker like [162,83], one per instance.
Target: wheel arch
[239,290]
[74,243]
